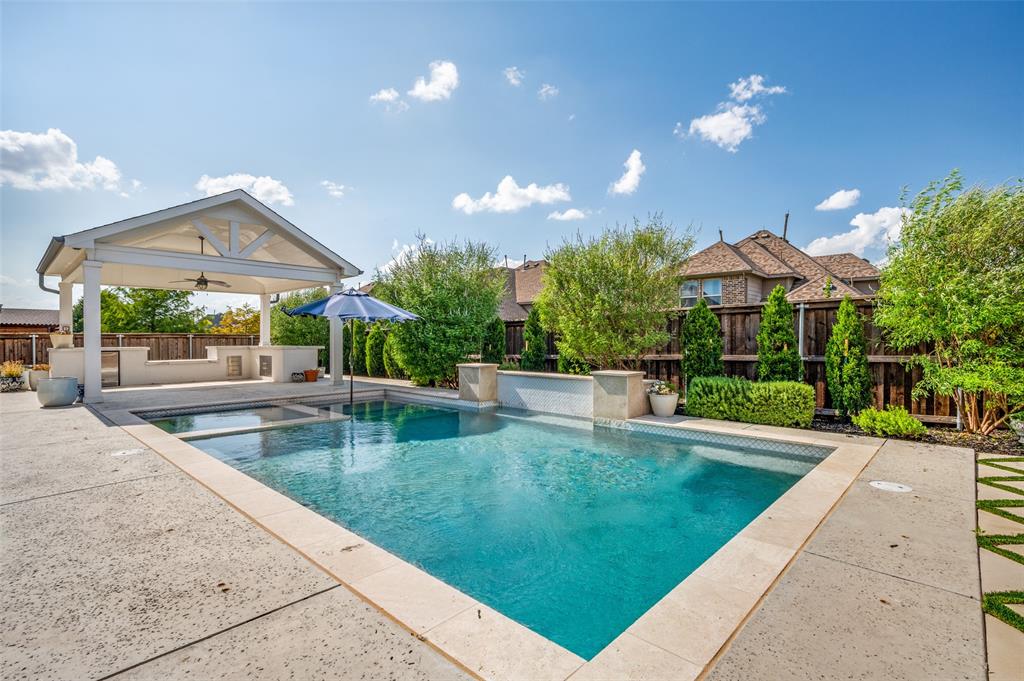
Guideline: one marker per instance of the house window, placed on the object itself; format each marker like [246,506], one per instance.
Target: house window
[713,291]
[688,292]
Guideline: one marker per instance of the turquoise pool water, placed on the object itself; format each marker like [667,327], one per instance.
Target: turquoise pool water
[574,532]
[236,418]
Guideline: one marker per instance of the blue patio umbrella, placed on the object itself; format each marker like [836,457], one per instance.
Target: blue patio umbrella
[350,305]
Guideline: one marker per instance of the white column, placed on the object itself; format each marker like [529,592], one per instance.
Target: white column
[265,319]
[337,343]
[91,316]
[67,303]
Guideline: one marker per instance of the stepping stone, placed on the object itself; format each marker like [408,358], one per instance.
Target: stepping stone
[1017,608]
[991,523]
[1013,548]
[1000,574]
[989,492]
[986,471]
[1004,644]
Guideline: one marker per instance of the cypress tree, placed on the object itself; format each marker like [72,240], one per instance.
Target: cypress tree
[375,340]
[701,343]
[778,355]
[846,362]
[359,348]
[535,343]
[493,349]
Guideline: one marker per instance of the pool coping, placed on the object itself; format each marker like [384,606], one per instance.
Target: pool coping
[679,637]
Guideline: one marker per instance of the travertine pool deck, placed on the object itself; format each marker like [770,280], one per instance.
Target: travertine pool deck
[886,587]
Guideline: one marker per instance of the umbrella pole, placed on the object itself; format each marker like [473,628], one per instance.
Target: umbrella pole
[351,363]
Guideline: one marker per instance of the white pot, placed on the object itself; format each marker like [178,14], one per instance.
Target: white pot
[62,340]
[34,375]
[664,405]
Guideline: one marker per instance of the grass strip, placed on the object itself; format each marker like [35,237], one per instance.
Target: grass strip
[996,506]
[1001,463]
[995,604]
[995,543]
[997,480]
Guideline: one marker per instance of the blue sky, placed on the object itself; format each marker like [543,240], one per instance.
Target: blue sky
[876,96]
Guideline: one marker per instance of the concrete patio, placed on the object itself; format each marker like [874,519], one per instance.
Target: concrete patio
[116,563]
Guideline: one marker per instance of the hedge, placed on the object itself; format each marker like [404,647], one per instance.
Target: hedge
[775,403]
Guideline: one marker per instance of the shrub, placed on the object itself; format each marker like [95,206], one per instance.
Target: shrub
[893,421]
[535,343]
[358,347]
[846,362]
[701,343]
[778,355]
[493,349]
[571,363]
[391,365]
[509,366]
[12,369]
[285,330]
[375,340]
[455,290]
[776,403]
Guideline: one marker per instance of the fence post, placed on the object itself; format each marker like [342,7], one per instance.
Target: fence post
[34,336]
[800,341]
[190,346]
[120,340]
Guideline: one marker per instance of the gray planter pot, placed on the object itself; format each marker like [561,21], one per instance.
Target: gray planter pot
[57,392]
[33,377]
[664,405]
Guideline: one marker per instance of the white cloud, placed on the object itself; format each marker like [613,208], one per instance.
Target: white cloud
[444,78]
[514,76]
[334,189]
[391,100]
[265,188]
[511,198]
[37,161]
[870,230]
[630,180]
[844,198]
[747,88]
[733,121]
[729,127]
[567,215]
[546,92]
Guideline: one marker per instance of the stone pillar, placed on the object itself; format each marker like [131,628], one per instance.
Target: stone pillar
[336,351]
[478,382]
[265,319]
[67,304]
[619,395]
[91,270]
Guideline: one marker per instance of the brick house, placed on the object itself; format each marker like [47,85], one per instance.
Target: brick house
[747,271]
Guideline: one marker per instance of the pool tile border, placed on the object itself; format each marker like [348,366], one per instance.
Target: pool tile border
[679,637]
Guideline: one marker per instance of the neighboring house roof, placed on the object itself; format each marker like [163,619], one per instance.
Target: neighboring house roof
[849,266]
[366,288]
[21,316]
[522,286]
[720,258]
[509,309]
[767,262]
[807,267]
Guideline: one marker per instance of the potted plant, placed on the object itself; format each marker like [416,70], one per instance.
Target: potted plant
[35,373]
[664,398]
[62,338]
[311,375]
[11,376]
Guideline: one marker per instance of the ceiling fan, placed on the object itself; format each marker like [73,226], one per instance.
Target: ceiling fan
[201,282]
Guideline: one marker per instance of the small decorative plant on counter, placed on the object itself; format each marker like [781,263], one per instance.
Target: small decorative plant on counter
[62,338]
[664,398]
[11,379]
[35,373]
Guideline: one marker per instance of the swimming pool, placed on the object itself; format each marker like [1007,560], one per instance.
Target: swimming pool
[572,531]
[235,418]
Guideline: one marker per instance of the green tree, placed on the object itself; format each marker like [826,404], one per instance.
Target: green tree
[455,290]
[954,283]
[569,363]
[846,362]
[701,343]
[391,365]
[535,343]
[778,355]
[358,329]
[375,341]
[238,320]
[285,330]
[143,310]
[609,297]
[493,348]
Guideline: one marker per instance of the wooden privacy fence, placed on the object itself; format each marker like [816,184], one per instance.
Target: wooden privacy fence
[19,346]
[893,381]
